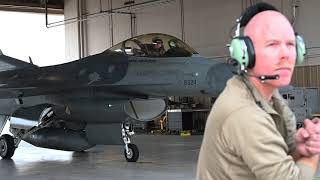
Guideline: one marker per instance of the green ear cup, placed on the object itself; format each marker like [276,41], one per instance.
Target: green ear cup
[300,49]
[241,49]
[239,52]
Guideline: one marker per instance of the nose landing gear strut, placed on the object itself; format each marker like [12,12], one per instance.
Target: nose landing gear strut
[131,151]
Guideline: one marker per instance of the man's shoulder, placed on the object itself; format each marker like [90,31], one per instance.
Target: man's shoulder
[235,102]
[236,114]
[234,96]
[248,114]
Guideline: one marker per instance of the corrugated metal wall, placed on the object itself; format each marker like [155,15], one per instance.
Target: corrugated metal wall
[306,76]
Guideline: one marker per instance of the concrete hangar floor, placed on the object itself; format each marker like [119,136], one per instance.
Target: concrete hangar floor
[161,157]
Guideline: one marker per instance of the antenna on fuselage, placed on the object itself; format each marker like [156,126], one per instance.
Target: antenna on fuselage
[30,60]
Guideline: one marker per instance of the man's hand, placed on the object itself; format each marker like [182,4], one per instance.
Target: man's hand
[308,138]
[302,136]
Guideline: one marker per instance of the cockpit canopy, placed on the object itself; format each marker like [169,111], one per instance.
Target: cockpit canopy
[154,45]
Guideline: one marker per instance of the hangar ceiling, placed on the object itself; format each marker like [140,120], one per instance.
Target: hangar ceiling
[54,6]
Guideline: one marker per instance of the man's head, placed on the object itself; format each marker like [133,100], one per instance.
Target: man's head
[273,39]
[172,43]
[158,43]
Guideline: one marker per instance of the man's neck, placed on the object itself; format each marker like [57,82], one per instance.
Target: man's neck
[263,88]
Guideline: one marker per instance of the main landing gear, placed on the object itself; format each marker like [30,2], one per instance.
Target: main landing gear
[7,146]
[131,151]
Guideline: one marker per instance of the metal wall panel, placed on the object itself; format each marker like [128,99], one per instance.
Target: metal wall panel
[206,24]
[306,76]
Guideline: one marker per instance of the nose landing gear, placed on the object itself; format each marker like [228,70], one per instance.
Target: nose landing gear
[131,151]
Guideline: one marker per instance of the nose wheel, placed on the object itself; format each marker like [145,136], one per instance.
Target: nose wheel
[131,151]
[132,155]
[7,146]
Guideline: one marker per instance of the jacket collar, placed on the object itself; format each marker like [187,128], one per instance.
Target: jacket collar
[259,99]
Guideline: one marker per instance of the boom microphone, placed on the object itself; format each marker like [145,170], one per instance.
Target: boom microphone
[268,77]
[264,78]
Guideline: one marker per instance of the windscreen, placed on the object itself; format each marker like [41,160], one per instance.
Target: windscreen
[154,45]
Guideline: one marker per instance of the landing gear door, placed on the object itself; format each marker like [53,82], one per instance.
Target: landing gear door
[3,121]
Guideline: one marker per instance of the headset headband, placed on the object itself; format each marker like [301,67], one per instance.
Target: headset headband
[253,10]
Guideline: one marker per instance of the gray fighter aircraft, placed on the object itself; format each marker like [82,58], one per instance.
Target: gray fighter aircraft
[90,101]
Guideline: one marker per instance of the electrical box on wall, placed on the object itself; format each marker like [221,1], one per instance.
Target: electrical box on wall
[303,101]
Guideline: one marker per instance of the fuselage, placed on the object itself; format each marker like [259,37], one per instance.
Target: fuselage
[103,79]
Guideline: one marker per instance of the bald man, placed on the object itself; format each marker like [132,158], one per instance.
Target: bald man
[250,133]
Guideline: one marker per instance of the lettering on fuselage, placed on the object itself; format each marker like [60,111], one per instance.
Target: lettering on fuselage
[144,73]
[189,82]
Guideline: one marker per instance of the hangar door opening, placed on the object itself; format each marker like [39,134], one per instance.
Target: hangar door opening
[24,34]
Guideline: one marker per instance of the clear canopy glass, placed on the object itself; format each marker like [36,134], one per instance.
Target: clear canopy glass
[154,45]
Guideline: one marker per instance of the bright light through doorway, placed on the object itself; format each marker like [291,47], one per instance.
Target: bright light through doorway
[25,34]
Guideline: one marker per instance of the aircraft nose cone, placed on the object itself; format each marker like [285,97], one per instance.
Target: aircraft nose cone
[218,76]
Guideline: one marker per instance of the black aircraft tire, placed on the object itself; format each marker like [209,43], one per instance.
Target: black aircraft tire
[133,153]
[7,147]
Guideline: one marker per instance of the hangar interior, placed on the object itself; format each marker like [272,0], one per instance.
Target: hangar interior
[207,26]
[92,26]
